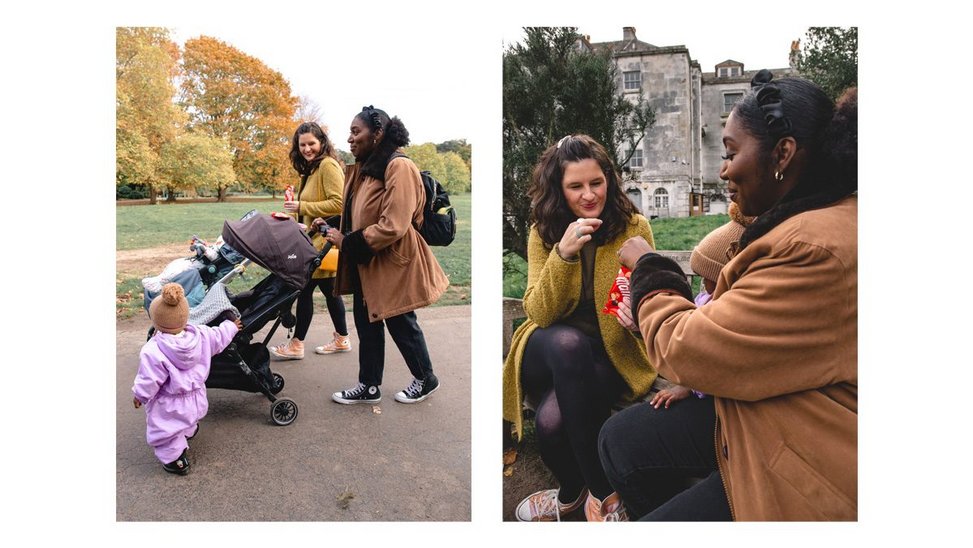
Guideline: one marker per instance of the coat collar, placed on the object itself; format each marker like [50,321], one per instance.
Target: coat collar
[379,160]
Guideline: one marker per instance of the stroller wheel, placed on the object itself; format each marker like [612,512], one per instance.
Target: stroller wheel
[283,411]
[278,384]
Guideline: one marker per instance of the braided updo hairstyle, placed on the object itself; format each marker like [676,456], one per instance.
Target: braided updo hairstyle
[396,134]
[794,107]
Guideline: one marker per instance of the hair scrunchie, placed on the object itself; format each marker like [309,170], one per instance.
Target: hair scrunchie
[768,99]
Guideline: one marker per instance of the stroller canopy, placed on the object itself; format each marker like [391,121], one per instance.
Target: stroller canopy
[279,245]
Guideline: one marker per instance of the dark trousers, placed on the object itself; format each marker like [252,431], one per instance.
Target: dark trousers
[650,455]
[305,307]
[406,334]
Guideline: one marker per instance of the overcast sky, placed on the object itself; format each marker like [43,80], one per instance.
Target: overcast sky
[420,79]
[427,79]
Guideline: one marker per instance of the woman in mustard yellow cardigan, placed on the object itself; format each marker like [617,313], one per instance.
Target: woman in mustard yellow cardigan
[570,362]
[313,156]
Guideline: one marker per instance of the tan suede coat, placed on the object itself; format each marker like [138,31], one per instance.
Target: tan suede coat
[553,292]
[778,348]
[404,274]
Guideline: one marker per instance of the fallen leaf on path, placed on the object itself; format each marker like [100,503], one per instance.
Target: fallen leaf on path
[509,456]
[508,471]
[377,410]
[344,499]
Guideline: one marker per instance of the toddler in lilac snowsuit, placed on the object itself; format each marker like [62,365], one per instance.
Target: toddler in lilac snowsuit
[171,381]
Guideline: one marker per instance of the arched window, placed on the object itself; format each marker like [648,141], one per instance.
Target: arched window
[661,198]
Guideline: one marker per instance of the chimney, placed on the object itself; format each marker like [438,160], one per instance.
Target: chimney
[628,33]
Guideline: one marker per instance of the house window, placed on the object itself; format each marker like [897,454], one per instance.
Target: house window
[633,80]
[730,99]
[635,162]
[729,71]
[661,198]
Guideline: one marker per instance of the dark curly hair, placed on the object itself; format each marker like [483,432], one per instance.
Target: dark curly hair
[828,134]
[301,164]
[550,212]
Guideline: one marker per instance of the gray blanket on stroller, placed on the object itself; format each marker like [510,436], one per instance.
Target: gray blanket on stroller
[216,301]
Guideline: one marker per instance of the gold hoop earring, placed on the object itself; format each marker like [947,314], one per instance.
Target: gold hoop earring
[779,175]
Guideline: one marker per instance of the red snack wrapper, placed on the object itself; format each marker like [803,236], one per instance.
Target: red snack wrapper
[619,290]
[289,193]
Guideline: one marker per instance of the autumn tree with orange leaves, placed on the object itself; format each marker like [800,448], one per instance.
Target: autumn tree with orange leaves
[232,95]
[146,61]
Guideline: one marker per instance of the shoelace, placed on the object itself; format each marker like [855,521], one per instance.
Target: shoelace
[414,389]
[548,502]
[356,391]
[617,515]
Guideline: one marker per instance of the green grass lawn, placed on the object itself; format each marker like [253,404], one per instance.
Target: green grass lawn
[672,234]
[142,226]
[146,226]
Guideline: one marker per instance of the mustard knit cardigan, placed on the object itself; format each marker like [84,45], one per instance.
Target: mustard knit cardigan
[320,196]
[553,292]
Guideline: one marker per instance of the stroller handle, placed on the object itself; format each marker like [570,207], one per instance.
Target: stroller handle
[319,257]
[237,270]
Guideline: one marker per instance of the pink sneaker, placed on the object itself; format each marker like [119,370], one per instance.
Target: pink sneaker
[610,509]
[544,506]
[341,343]
[293,350]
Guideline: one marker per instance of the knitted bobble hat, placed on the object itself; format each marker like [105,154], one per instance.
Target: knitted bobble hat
[170,310]
[716,248]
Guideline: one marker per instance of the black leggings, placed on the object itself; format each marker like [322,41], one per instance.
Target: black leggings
[573,384]
[305,307]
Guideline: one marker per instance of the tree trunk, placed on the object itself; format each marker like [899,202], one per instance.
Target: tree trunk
[171,198]
[153,195]
[221,194]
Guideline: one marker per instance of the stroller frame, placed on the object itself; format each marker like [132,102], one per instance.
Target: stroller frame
[283,411]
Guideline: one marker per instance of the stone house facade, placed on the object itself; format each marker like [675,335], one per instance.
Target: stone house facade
[675,170]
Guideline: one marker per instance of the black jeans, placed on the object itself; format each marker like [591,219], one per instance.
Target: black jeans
[406,334]
[650,455]
[305,307]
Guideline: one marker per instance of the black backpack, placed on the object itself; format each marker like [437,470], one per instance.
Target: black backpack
[438,216]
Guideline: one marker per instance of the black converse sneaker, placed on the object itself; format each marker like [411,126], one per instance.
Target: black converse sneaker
[418,390]
[179,466]
[359,394]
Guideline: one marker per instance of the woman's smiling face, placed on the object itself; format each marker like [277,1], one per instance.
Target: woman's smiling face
[585,188]
[361,140]
[309,146]
[747,173]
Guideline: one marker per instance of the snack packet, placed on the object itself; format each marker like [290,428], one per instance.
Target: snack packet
[289,193]
[619,290]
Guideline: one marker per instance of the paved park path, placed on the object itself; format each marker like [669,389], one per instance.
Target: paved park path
[389,462]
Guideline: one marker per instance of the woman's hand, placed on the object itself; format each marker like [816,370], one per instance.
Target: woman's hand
[334,236]
[292,206]
[136,403]
[624,315]
[632,250]
[575,236]
[669,395]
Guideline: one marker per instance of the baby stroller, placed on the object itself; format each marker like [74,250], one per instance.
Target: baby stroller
[282,248]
